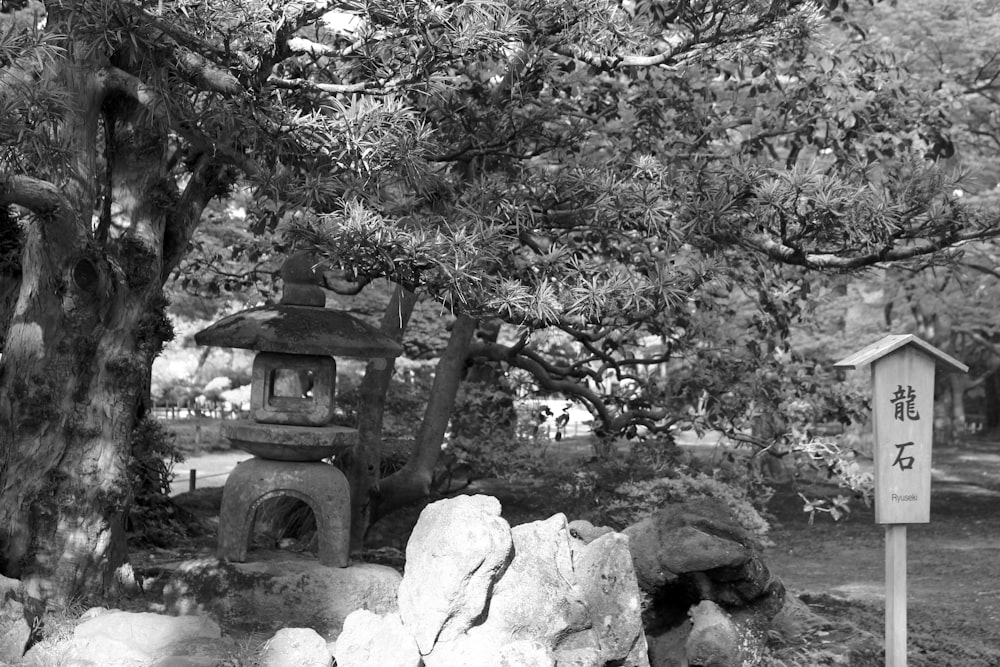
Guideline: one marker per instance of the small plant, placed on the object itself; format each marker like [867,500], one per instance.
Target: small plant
[834,461]
[154,519]
[56,624]
[636,500]
[246,652]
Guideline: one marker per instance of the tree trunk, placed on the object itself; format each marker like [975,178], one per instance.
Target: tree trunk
[364,468]
[991,403]
[957,384]
[71,381]
[413,481]
[87,322]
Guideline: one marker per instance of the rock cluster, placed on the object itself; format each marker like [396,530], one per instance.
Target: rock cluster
[709,596]
[112,637]
[15,624]
[687,582]
[300,601]
[477,592]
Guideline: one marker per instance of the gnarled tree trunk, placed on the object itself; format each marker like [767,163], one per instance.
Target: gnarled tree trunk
[86,323]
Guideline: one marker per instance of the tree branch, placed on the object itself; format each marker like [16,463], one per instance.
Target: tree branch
[916,248]
[184,217]
[678,44]
[204,74]
[545,379]
[114,80]
[33,194]
[369,87]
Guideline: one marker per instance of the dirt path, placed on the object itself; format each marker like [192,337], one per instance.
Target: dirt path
[953,562]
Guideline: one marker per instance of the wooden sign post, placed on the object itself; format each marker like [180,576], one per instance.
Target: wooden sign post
[903,411]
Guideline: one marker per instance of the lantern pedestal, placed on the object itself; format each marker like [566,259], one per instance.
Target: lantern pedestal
[289,443]
[321,486]
[292,405]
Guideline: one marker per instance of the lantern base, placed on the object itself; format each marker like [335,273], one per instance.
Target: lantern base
[321,486]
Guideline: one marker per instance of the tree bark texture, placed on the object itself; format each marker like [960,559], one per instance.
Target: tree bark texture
[86,323]
[413,481]
[10,269]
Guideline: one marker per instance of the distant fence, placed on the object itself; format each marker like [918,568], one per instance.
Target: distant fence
[193,477]
[220,410]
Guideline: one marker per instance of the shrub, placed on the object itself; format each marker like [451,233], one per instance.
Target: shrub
[621,491]
[154,519]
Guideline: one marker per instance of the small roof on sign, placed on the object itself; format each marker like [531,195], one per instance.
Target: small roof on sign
[893,342]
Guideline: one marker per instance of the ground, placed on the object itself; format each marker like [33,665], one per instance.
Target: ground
[953,562]
[837,568]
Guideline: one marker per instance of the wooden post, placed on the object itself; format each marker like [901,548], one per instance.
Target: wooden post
[895,595]
[192,479]
[903,411]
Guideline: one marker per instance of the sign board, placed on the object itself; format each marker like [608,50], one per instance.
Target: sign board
[903,412]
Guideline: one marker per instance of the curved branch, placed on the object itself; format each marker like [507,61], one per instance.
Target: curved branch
[551,379]
[184,217]
[916,248]
[204,74]
[369,87]
[33,194]
[115,80]
[544,377]
[606,63]
[198,60]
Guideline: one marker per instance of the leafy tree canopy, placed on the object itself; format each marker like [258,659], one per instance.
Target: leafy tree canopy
[656,182]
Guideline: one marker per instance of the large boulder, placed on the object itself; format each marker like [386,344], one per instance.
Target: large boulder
[693,551]
[607,583]
[456,552]
[15,623]
[714,640]
[705,583]
[127,639]
[369,639]
[695,536]
[269,595]
[296,647]
[536,596]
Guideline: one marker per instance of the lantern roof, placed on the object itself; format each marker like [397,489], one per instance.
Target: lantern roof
[894,342]
[297,329]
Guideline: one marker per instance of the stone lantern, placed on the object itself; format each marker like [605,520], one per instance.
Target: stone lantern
[291,408]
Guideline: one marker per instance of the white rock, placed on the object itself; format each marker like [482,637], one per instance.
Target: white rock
[458,548]
[370,640]
[296,647]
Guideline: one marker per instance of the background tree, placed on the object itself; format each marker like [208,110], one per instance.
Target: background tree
[951,50]
[665,212]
